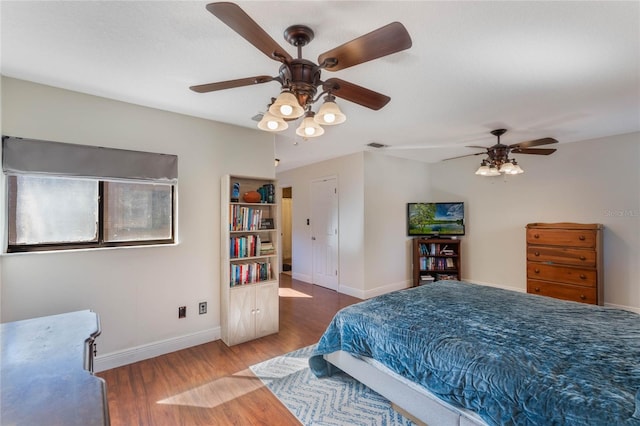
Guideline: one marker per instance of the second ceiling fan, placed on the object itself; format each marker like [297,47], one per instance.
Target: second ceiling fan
[300,78]
[498,160]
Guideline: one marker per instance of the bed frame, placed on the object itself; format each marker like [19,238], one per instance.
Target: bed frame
[415,400]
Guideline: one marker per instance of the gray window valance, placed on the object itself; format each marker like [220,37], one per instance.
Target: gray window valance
[31,156]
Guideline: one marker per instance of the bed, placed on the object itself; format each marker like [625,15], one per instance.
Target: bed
[458,353]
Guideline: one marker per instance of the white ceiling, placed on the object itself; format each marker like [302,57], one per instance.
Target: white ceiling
[568,70]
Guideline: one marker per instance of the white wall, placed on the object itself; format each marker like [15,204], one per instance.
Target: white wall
[596,181]
[373,190]
[390,183]
[349,173]
[136,291]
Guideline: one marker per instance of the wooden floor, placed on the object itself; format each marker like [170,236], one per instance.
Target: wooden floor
[211,384]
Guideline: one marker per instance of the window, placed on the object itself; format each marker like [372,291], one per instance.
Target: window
[54,213]
[66,196]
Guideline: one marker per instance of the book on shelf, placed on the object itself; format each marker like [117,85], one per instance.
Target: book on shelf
[243,218]
[267,248]
[436,263]
[426,279]
[446,277]
[249,273]
[435,249]
[245,246]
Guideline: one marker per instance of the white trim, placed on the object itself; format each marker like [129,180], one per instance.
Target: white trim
[368,294]
[302,277]
[623,307]
[162,347]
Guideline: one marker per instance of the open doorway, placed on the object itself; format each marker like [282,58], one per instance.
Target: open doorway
[287,258]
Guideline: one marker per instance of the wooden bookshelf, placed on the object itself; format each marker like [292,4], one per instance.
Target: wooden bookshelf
[249,263]
[435,259]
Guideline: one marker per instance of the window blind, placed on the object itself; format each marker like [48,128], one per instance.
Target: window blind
[32,156]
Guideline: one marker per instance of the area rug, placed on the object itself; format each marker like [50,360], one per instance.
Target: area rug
[336,400]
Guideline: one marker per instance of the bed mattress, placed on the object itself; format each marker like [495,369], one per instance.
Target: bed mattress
[511,357]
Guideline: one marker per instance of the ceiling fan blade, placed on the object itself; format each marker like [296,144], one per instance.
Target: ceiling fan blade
[477,147]
[384,41]
[230,84]
[536,142]
[462,156]
[237,19]
[538,151]
[356,94]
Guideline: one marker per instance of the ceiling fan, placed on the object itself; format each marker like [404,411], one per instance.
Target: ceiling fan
[498,160]
[300,78]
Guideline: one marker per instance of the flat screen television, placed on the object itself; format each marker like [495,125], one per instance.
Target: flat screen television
[435,219]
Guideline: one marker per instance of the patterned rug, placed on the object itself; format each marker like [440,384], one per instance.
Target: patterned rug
[336,400]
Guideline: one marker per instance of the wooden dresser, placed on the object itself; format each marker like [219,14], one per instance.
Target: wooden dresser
[564,260]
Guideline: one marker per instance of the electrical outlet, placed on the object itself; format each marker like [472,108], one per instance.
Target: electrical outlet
[182,312]
[202,308]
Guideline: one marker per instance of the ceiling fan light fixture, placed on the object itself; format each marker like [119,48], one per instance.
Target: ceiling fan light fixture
[493,171]
[329,113]
[271,123]
[507,168]
[516,168]
[286,106]
[309,128]
[483,170]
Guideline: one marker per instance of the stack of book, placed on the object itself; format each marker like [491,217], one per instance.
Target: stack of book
[426,279]
[447,277]
[267,248]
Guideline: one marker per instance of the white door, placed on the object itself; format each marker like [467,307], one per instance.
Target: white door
[324,232]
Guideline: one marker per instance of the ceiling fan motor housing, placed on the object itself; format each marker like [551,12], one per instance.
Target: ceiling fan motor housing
[302,77]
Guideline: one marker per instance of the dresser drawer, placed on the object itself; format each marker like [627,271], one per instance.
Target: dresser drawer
[563,291]
[562,274]
[566,256]
[562,237]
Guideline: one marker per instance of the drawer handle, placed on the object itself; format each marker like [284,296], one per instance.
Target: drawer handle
[537,253]
[581,237]
[537,271]
[536,236]
[537,289]
[583,277]
[583,258]
[582,296]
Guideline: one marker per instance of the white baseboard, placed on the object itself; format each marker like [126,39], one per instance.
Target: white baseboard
[623,307]
[151,350]
[302,277]
[386,289]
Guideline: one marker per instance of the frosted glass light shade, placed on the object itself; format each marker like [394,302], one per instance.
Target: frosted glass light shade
[309,128]
[271,123]
[286,106]
[329,114]
[516,169]
[493,171]
[507,168]
[483,170]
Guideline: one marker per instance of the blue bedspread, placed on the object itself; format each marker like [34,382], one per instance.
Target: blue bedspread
[513,358]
